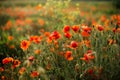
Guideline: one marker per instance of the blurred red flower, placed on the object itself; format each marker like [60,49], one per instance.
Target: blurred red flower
[73,44]
[67,35]
[7,60]
[100,28]
[66,28]
[22,70]
[68,55]
[25,44]
[34,74]
[88,56]
[16,63]
[55,35]
[75,28]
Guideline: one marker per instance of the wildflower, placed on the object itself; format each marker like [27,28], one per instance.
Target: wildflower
[1,69]
[38,7]
[86,42]
[22,70]
[37,51]
[12,46]
[25,44]
[88,56]
[86,32]
[74,44]
[47,34]
[100,28]
[55,35]
[41,22]
[67,35]
[87,29]
[31,38]
[7,60]
[75,28]
[31,58]
[34,74]
[103,18]
[20,22]
[68,55]
[42,30]
[8,25]
[16,63]
[37,39]
[49,40]
[10,38]
[66,28]
[90,71]
[28,21]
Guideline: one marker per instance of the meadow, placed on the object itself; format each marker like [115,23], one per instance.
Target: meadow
[59,40]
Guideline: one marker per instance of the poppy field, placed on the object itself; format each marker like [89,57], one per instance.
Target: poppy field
[59,40]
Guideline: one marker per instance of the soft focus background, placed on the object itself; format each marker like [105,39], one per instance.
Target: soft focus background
[59,39]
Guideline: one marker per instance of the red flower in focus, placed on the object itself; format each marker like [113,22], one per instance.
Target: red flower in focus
[55,35]
[25,44]
[34,74]
[66,28]
[100,28]
[67,35]
[7,60]
[75,28]
[69,56]
[74,44]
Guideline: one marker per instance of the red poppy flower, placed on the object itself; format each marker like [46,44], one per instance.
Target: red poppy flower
[16,63]
[90,71]
[67,35]
[31,38]
[34,74]
[10,38]
[86,32]
[75,28]
[68,55]
[47,34]
[37,39]
[31,58]
[87,29]
[100,28]
[22,70]
[88,56]
[74,44]
[25,44]
[55,35]
[7,60]
[66,28]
